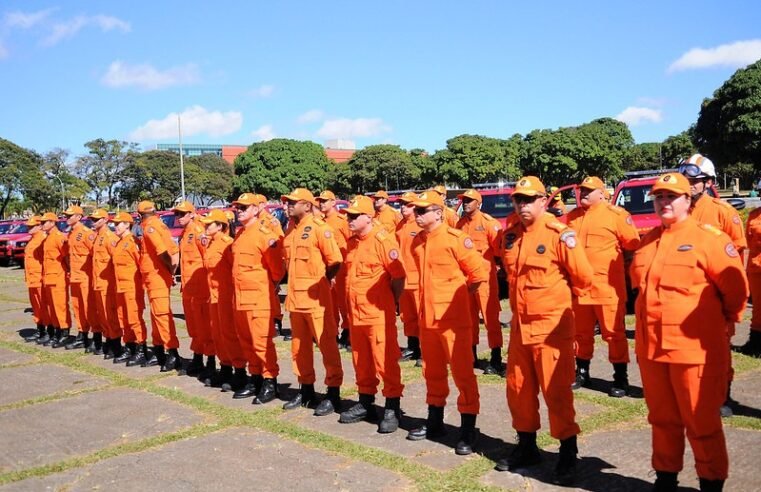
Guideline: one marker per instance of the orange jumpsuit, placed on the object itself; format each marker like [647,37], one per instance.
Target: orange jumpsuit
[310,248]
[130,298]
[55,279]
[753,235]
[256,269]
[604,230]
[389,217]
[81,239]
[195,289]
[692,288]
[372,262]
[544,267]
[104,283]
[158,280]
[450,217]
[409,302]
[33,258]
[340,226]
[218,264]
[723,216]
[447,261]
[269,220]
[486,234]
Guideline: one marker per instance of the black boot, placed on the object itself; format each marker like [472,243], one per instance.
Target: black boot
[118,349]
[565,470]
[196,365]
[344,341]
[155,357]
[582,374]
[468,434]
[108,349]
[433,427]
[173,361]
[221,378]
[525,454]
[62,339]
[209,370]
[391,416]
[138,357]
[620,387]
[251,388]
[47,336]
[365,409]
[96,345]
[729,403]
[330,404]
[305,397]
[78,342]
[130,349]
[267,392]
[711,485]
[752,347]
[412,352]
[665,482]
[495,362]
[475,357]
[36,335]
[237,381]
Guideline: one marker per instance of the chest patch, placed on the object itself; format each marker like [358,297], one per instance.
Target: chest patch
[684,247]
[541,249]
[305,236]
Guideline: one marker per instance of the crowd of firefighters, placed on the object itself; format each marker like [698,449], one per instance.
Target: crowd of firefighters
[358,267]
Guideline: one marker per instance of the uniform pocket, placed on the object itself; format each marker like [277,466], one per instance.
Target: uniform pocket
[677,272]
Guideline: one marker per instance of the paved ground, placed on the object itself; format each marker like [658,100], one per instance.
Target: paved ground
[70,421]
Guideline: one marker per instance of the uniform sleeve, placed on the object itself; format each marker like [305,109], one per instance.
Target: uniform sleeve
[627,234]
[326,241]
[725,269]
[274,256]
[575,261]
[391,258]
[734,228]
[471,263]
[494,235]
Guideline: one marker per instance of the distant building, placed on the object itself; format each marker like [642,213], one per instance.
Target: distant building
[336,150]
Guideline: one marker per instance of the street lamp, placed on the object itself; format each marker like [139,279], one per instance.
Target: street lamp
[63,190]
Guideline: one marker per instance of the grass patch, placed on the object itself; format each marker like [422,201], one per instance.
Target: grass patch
[61,395]
[743,363]
[742,422]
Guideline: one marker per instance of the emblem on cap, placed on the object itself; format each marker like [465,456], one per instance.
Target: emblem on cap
[524,182]
[667,178]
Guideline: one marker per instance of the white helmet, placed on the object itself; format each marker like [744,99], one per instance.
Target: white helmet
[697,166]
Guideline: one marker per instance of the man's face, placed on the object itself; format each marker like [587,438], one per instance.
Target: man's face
[326,205]
[470,205]
[359,223]
[699,185]
[73,219]
[122,228]
[670,206]
[298,209]
[100,223]
[246,212]
[407,209]
[378,203]
[213,228]
[529,208]
[184,218]
[589,197]
[426,217]
[47,225]
[34,229]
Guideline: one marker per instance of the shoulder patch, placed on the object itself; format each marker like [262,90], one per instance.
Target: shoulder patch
[328,234]
[731,250]
[150,230]
[394,254]
[569,238]
[91,237]
[736,219]
[272,243]
[709,228]
[468,243]
[204,241]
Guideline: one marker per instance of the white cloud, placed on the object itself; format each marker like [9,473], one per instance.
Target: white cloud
[262,92]
[196,120]
[634,115]
[264,133]
[311,116]
[147,77]
[348,128]
[732,55]
[26,20]
[67,29]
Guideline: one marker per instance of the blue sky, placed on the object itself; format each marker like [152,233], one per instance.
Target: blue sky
[402,72]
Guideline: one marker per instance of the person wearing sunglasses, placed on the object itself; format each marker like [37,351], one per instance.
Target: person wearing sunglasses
[33,277]
[55,281]
[409,302]
[450,216]
[104,288]
[692,289]
[270,221]
[450,271]
[545,266]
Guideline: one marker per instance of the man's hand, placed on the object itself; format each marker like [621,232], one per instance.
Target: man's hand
[472,288]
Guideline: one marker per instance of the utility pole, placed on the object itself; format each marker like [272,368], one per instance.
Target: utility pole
[182,162]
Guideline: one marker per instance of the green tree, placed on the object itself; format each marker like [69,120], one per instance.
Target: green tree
[644,156]
[56,166]
[20,174]
[471,159]
[276,167]
[426,166]
[103,166]
[152,175]
[728,129]
[209,178]
[381,166]
[676,148]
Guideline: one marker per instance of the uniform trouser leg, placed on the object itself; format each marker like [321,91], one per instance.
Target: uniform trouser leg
[92,314]
[277,308]
[611,319]
[375,353]
[163,331]
[408,308]
[130,307]
[106,309]
[215,327]
[38,312]
[545,366]
[255,335]
[80,303]
[338,294]
[486,301]
[687,397]
[754,281]
[226,340]
[446,346]
[319,326]
[57,297]
[196,311]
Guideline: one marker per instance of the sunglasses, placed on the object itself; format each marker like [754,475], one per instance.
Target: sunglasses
[690,170]
[241,208]
[180,214]
[424,210]
[352,217]
[523,199]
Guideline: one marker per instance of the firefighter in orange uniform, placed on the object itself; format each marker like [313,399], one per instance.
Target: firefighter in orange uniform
[485,231]
[313,260]
[218,263]
[55,282]
[545,266]
[753,234]
[409,302]
[450,216]
[327,204]
[81,239]
[159,257]
[130,299]
[104,284]
[385,214]
[195,291]
[266,218]
[258,267]
[604,231]
[450,271]
[557,200]
[375,281]
[33,276]
[692,289]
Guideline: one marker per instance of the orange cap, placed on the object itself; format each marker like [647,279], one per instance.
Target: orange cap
[250,199]
[529,186]
[428,198]
[381,194]
[215,215]
[592,183]
[440,189]
[74,210]
[472,194]
[99,214]
[298,195]
[407,197]
[360,204]
[32,221]
[672,182]
[184,206]
[146,206]
[326,195]
[122,217]
[48,216]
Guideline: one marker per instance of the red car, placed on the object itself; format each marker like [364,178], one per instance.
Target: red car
[9,239]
